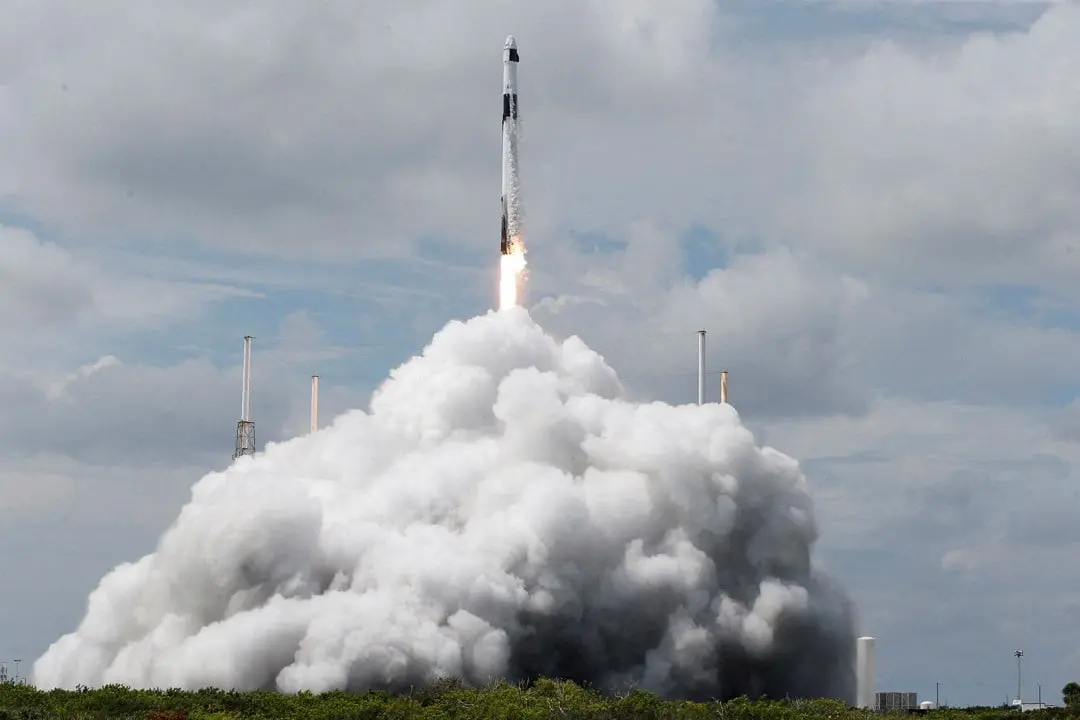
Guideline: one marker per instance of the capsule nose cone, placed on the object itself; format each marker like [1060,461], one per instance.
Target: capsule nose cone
[511,43]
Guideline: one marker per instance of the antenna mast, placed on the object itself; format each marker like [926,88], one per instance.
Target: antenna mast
[245,429]
[701,368]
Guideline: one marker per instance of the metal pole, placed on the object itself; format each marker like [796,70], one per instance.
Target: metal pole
[701,368]
[245,404]
[937,694]
[1019,654]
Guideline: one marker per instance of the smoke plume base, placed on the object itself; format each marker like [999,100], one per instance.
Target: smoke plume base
[499,512]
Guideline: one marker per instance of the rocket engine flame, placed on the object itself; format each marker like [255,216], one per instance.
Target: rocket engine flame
[511,274]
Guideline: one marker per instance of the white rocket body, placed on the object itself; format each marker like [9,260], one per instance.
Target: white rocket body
[511,204]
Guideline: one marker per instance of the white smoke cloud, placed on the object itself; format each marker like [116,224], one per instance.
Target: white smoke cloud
[499,512]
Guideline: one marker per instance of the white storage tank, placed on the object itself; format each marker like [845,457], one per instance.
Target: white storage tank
[865,682]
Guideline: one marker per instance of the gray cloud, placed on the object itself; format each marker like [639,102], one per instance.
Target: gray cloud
[949,511]
[958,164]
[942,472]
[110,412]
[40,283]
[122,414]
[777,324]
[798,336]
[375,125]
[59,304]
[378,122]
[939,346]
[1066,423]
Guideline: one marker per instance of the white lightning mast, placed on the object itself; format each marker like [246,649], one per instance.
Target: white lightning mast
[701,368]
[245,429]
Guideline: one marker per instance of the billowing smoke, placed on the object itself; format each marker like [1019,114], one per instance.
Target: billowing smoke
[499,512]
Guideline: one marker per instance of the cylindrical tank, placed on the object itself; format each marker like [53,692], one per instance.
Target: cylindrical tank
[865,681]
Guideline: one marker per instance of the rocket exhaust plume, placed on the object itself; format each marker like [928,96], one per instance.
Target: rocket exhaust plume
[512,244]
[314,403]
[502,510]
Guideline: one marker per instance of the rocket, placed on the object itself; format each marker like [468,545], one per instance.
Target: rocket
[511,219]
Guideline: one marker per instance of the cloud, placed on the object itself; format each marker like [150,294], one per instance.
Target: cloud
[914,472]
[801,311]
[40,283]
[957,164]
[313,133]
[52,298]
[32,491]
[947,345]
[798,336]
[328,121]
[945,504]
[113,413]
[960,560]
[1066,425]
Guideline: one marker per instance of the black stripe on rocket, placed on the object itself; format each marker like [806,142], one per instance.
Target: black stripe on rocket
[510,106]
[509,110]
[504,246]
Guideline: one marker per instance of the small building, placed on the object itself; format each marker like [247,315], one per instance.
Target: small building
[896,701]
[1029,706]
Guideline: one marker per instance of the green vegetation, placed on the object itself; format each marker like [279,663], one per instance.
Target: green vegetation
[446,700]
[1071,694]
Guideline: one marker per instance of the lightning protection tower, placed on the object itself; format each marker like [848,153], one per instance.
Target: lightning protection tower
[245,429]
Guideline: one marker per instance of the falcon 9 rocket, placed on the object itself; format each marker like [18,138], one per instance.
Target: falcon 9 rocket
[511,201]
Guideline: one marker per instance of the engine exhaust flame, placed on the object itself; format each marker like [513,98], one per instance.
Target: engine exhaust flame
[511,274]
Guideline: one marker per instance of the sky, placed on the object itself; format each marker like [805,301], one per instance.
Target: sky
[869,206]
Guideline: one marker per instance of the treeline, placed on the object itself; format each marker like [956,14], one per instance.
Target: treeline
[443,701]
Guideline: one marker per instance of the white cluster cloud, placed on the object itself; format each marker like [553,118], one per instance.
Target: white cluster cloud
[955,164]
